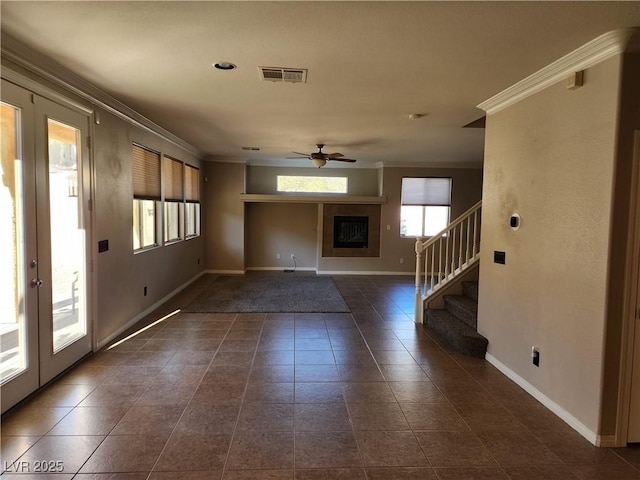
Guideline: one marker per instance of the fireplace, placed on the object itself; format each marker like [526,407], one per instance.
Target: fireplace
[350,231]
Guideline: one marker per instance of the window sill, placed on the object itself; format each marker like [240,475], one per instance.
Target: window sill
[146,249]
[172,242]
[297,198]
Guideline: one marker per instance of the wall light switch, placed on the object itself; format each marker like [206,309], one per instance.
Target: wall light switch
[388,227]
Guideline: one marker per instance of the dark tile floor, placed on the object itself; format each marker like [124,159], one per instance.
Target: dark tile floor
[366,395]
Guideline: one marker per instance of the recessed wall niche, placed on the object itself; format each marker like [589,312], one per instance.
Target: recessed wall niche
[350,230]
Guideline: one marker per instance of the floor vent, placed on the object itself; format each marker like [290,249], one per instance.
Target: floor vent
[277,74]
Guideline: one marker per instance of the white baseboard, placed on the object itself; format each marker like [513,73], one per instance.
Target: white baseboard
[226,272]
[281,269]
[573,422]
[306,269]
[361,272]
[147,311]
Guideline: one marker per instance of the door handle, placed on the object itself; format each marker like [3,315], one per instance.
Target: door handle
[36,283]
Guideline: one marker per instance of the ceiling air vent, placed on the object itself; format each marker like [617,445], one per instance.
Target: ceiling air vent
[277,74]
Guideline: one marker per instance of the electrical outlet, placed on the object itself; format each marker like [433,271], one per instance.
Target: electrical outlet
[277,255]
[292,256]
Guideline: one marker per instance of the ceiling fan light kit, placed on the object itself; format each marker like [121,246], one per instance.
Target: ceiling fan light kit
[320,158]
[319,162]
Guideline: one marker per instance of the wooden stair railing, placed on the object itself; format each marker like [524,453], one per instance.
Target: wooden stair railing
[441,258]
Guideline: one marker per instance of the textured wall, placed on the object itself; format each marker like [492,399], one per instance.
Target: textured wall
[122,275]
[551,157]
[224,216]
[281,228]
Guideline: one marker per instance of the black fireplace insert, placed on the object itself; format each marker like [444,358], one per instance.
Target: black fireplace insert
[350,231]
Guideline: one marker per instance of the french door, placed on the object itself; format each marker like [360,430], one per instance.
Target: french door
[44,241]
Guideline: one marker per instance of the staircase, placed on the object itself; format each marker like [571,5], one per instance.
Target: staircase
[457,322]
[442,261]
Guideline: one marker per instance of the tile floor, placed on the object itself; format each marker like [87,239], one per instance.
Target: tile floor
[365,395]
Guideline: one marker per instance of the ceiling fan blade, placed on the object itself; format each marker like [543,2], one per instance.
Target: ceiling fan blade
[306,157]
[303,154]
[350,160]
[334,155]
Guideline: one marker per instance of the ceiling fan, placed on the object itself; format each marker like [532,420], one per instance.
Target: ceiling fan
[320,158]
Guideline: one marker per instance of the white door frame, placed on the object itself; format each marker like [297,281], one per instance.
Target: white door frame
[88,109]
[34,88]
[631,304]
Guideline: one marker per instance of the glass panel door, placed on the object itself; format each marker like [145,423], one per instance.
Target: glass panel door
[19,370]
[13,351]
[67,235]
[62,182]
[44,215]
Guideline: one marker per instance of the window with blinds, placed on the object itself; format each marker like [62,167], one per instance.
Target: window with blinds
[146,173]
[163,184]
[425,206]
[173,199]
[146,196]
[192,197]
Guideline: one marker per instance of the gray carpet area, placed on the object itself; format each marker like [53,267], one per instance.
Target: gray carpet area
[269,293]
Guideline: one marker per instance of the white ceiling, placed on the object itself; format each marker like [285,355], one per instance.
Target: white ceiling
[370,65]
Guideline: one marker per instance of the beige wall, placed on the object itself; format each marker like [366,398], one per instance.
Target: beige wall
[120,274]
[466,191]
[281,228]
[360,181]
[551,157]
[287,228]
[224,216]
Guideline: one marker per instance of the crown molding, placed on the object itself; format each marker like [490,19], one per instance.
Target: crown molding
[52,71]
[588,55]
[452,165]
[225,159]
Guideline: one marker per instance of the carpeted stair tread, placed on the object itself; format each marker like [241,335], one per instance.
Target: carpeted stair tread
[470,289]
[457,333]
[463,307]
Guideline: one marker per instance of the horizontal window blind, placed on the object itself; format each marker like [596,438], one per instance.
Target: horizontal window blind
[146,173]
[426,191]
[192,183]
[172,179]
